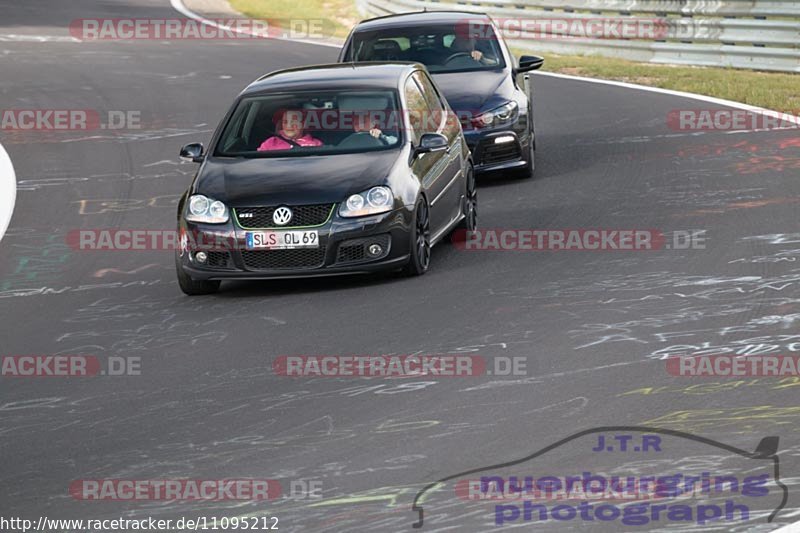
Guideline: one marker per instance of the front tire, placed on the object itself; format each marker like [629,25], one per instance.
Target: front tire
[192,287]
[420,258]
[530,168]
[470,208]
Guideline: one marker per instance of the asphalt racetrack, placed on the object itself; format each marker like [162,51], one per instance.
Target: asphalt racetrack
[594,328]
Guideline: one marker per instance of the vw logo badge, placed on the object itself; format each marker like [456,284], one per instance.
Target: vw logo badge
[282,216]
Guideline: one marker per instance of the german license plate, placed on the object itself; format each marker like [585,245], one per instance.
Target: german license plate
[281,240]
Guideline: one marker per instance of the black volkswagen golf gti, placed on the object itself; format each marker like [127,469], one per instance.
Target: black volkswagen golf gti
[479,77]
[326,170]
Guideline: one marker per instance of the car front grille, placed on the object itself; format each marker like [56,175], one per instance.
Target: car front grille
[355,250]
[302,215]
[283,259]
[497,153]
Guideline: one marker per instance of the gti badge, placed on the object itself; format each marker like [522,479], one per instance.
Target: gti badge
[282,216]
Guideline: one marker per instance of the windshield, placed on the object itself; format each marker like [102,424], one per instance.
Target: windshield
[459,47]
[312,123]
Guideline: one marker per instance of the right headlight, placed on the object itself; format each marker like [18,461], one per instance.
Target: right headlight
[496,116]
[371,202]
[207,210]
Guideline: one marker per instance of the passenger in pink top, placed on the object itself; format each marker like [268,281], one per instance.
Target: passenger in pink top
[291,133]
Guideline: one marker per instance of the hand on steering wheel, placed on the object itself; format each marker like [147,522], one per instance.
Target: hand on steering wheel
[457,55]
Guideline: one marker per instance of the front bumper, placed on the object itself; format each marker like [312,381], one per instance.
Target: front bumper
[342,250]
[489,155]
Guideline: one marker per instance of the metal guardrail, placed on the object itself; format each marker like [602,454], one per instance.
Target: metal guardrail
[748,34]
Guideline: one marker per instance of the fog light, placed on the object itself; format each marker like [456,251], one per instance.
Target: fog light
[504,139]
[374,250]
[201,257]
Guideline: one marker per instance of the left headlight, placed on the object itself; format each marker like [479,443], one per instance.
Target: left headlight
[206,210]
[496,116]
[372,202]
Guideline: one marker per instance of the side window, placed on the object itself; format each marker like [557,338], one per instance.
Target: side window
[417,109]
[436,109]
[353,50]
[238,127]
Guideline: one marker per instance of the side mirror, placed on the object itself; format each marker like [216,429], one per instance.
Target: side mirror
[529,63]
[192,152]
[431,142]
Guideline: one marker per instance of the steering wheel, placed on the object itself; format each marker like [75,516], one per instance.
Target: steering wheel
[360,139]
[457,55]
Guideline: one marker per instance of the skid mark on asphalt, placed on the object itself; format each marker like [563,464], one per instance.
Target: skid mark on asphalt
[39,183]
[736,206]
[24,38]
[542,378]
[103,272]
[736,420]
[714,387]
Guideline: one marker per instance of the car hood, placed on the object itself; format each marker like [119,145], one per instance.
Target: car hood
[471,92]
[293,180]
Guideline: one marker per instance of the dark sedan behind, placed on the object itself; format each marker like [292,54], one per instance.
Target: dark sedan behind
[481,80]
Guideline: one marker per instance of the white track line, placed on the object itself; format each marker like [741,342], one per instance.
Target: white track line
[179,6]
[8,190]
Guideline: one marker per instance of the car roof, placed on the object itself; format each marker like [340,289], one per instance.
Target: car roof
[385,75]
[421,18]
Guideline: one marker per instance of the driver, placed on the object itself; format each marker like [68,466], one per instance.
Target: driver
[467,45]
[363,123]
[367,111]
[291,133]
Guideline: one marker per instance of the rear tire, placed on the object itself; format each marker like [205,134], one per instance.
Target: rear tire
[420,258]
[192,287]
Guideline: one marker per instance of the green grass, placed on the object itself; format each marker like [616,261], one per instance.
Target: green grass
[339,15]
[777,91]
